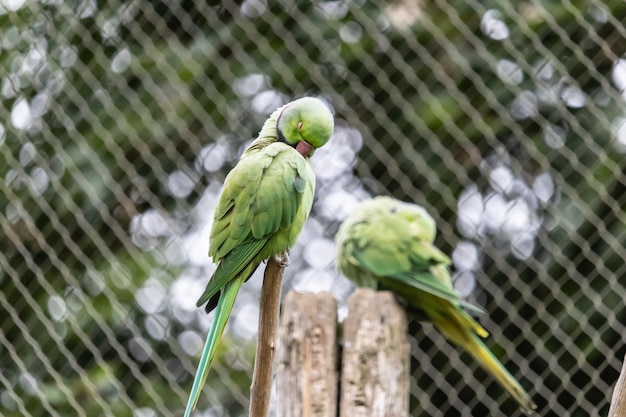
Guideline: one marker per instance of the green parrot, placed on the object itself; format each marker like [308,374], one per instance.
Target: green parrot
[265,201]
[386,244]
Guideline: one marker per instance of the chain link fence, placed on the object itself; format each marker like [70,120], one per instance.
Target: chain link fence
[120,119]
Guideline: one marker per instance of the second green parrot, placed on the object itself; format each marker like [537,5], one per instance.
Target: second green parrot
[265,201]
[386,244]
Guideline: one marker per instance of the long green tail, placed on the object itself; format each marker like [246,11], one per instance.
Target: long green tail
[463,330]
[222,313]
[483,355]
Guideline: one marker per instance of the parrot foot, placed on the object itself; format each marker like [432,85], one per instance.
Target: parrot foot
[283,259]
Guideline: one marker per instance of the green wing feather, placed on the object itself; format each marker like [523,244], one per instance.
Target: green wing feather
[231,266]
[402,263]
[427,283]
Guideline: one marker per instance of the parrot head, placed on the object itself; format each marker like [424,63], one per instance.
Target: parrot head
[305,124]
[406,215]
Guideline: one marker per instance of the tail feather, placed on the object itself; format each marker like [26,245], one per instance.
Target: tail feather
[487,359]
[464,331]
[222,313]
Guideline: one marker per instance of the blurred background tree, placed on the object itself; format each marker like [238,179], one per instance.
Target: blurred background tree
[120,120]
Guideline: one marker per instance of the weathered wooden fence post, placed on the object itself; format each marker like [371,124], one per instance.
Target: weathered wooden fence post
[375,363]
[374,378]
[307,358]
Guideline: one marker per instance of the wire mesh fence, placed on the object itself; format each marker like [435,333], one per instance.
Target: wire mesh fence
[120,119]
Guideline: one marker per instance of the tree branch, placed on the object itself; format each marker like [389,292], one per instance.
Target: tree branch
[269,308]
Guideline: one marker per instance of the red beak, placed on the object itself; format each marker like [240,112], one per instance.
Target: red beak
[304,148]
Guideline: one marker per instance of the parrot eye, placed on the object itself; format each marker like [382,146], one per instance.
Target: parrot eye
[300,126]
[394,209]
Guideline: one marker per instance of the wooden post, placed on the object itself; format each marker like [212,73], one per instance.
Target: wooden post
[375,370]
[375,362]
[307,358]
[618,401]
